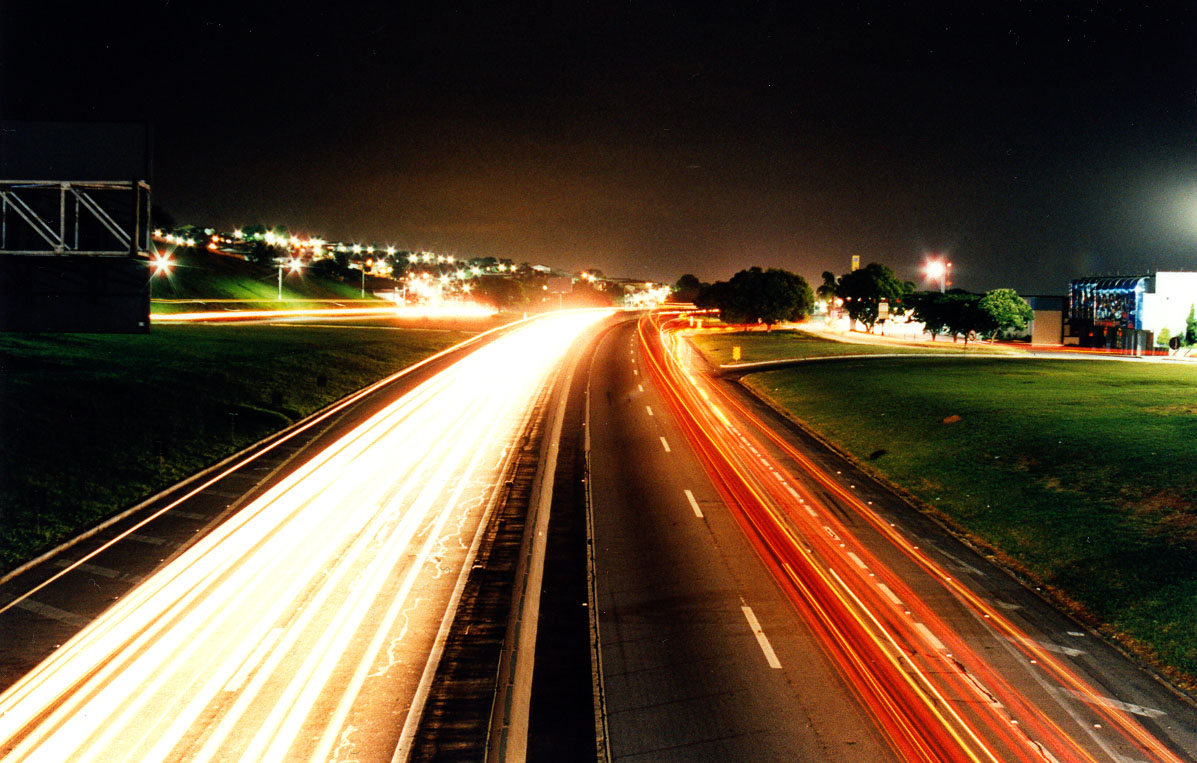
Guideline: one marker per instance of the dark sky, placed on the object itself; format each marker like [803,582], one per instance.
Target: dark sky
[1031,142]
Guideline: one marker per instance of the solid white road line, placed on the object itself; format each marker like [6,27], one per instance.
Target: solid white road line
[761,639]
[693,504]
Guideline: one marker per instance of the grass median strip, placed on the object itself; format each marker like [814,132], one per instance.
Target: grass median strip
[786,344]
[1080,473]
[93,422]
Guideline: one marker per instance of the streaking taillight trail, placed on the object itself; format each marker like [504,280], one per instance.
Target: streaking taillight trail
[931,693]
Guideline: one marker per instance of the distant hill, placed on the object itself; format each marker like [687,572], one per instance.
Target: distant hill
[201,275]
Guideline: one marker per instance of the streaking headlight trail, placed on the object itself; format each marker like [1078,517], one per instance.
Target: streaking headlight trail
[289,630]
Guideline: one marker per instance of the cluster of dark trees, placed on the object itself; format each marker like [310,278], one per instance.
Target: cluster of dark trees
[869,295]
[957,313]
[751,296]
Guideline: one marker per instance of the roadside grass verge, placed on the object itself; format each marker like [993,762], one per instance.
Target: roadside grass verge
[783,344]
[92,423]
[1079,474]
[206,279]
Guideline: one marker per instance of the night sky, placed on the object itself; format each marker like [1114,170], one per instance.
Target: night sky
[1030,142]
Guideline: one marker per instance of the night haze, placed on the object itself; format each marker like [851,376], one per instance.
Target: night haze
[1029,144]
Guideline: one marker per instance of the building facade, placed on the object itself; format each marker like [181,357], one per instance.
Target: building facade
[1128,312]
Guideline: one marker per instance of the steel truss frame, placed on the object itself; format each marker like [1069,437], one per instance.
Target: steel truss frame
[77,200]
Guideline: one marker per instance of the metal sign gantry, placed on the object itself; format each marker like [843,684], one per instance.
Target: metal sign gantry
[60,217]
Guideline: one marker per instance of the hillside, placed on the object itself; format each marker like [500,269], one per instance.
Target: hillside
[201,276]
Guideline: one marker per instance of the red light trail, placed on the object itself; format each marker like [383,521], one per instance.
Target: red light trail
[934,696]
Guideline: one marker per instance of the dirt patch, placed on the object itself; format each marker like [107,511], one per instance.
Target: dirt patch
[1181,409]
[1169,513]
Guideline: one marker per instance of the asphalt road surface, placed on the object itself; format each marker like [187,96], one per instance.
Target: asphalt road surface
[761,599]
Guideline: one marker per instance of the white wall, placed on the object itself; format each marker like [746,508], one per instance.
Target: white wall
[1175,293]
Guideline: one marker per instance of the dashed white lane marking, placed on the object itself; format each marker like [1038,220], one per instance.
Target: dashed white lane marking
[649,408]
[959,562]
[95,569]
[857,559]
[1096,699]
[640,387]
[218,494]
[635,372]
[665,444]
[761,639]
[1078,634]
[888,593]
[930,638]
[54,613]
[1008,605]
[1058,649]
[146,539]
[793,492]
[190,514]
[694,504]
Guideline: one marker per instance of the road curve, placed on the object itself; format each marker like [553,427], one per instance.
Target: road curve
[935,662]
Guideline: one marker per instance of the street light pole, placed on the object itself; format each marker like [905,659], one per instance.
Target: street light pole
[280,282]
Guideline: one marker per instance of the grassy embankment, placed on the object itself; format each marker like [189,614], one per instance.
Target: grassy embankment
[205,280]
[93,423]
[784,344]
[1078,473]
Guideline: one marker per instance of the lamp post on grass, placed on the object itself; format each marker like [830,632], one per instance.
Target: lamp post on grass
[295,266]
[161,264]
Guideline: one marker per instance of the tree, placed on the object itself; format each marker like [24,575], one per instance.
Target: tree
[1005,311]
[764,296]
[503,293]
[1162,338]
[863,289]
[687,288]
[1191,327]
[932,309]
[965,316]
[826,291]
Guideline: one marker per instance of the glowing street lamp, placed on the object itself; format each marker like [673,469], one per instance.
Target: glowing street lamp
[295,266]
[161,264]
[937,270]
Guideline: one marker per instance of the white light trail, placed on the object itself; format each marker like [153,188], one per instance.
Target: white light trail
[306,603]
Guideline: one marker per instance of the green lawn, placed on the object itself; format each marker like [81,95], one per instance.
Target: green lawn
[786,344]
[203,276]
[1081,473]
[92,423]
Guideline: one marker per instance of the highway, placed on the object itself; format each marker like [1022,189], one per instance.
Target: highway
[751,596]
[303,626]
[760,599]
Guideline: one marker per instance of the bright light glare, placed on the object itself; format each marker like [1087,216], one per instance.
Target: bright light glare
[935,269]
[162,263]
[258,642]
